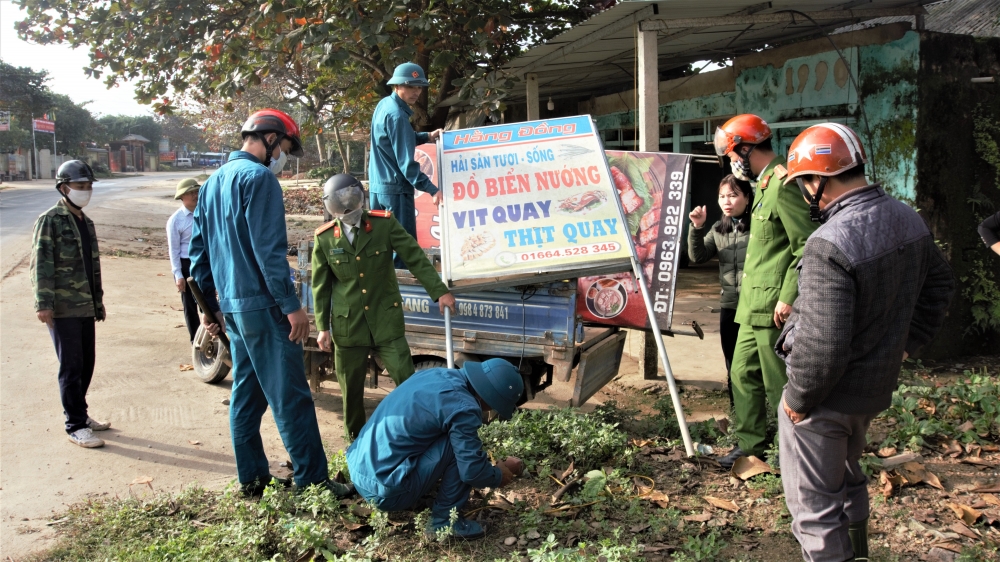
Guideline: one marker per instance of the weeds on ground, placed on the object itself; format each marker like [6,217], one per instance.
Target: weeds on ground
[967,410]
[538,436]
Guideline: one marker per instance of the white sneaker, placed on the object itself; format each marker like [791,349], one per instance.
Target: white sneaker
[85,438]
[95,425]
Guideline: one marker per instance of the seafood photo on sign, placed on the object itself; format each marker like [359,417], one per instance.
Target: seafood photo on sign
[582,203]
[477,244]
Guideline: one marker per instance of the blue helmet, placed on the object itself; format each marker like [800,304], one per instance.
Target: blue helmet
[409,74]
[497,382]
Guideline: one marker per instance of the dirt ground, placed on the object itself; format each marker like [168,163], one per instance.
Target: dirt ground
[166,424]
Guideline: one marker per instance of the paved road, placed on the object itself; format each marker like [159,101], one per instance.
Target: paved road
[20,206]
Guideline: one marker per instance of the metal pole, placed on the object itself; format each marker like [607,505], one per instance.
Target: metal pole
[662,351]
[34,148]
[449,341]
[660,348]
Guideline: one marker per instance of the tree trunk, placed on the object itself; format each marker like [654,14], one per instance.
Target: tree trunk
[422,116]
[321,148]
[439,117]
[340,145]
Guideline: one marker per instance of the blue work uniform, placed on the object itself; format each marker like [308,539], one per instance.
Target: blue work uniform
[238,249]
[393,173]
[425,431]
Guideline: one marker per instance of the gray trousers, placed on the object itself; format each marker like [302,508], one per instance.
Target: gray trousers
[825,488]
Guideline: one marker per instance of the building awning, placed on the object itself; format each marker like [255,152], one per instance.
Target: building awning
[601,52]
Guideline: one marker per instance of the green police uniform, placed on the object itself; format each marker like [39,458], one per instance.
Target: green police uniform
[359,280]
[779,227]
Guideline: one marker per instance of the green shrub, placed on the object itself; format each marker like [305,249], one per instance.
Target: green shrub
[541,435]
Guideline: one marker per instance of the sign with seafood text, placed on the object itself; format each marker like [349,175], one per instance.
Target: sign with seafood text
[653,189]
[529,198]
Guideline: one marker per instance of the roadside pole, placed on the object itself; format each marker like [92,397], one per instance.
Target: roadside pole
[34,148]
[449,341]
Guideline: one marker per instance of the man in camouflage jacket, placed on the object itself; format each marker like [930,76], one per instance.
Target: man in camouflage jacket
[66,276]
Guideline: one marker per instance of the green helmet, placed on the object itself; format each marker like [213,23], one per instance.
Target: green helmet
[409,74]
[497,382]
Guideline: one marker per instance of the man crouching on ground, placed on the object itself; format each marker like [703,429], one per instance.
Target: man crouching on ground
[426,431]
[873,289]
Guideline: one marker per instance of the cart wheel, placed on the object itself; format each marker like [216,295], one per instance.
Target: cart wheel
[210,359]
[429,364]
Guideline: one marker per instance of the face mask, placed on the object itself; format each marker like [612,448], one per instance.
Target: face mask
[739,172]
[78,197]
[351,218]
[278,164]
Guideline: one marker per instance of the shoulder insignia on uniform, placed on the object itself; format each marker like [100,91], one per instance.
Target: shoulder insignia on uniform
[764,181]
[780,171]
[367,225]
[324,227]
[380,214]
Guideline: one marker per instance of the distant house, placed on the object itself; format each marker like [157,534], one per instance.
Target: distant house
[129,154]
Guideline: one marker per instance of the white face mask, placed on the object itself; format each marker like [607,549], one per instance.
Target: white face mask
[351,218]
[79,198]
[278,164]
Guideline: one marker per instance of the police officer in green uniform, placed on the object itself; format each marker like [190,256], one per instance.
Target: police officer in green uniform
[354,277]
[779,227]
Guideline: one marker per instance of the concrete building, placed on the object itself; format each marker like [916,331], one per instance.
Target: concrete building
[918,83]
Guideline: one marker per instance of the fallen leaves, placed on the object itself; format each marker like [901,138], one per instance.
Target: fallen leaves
[748,467]
[185,367]
[965,513]
[194,442]
[907,474]
[720,503]
[699,518]
[140,480]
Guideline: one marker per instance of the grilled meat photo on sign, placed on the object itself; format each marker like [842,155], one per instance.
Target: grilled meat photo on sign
[477,244]
[630,199]
[647,226]
[583,202]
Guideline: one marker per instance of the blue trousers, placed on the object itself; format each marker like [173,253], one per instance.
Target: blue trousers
[436,464]
[402,207]
[268,370]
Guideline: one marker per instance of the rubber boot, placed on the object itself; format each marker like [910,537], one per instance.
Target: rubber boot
[858,533]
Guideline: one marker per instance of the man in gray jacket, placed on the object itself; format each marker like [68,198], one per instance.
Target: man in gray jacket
[873,289]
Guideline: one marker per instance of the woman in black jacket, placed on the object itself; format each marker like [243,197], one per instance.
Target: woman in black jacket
[727,238]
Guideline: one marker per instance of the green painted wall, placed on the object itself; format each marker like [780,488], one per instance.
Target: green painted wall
[818,87]
[889,94]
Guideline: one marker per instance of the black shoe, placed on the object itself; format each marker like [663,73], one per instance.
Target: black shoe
[255,490]
[729,460]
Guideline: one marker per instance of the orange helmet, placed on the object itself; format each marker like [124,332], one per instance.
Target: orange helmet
[275,121]
[826,149]
[745,128]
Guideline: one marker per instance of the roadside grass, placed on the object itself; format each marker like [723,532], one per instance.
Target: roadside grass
[612,485]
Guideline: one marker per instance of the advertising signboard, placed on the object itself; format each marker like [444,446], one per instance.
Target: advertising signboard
[167,157]
[4,120]
[652,187]
[43,126]
[529,198]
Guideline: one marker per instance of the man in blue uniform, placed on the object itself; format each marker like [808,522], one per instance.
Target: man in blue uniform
[238,247]
[392,171]
[426,431]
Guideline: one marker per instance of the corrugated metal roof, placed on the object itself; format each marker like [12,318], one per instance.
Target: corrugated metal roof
[980,18]
[603,48]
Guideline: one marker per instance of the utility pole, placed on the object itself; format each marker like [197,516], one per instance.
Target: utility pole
[34,148]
